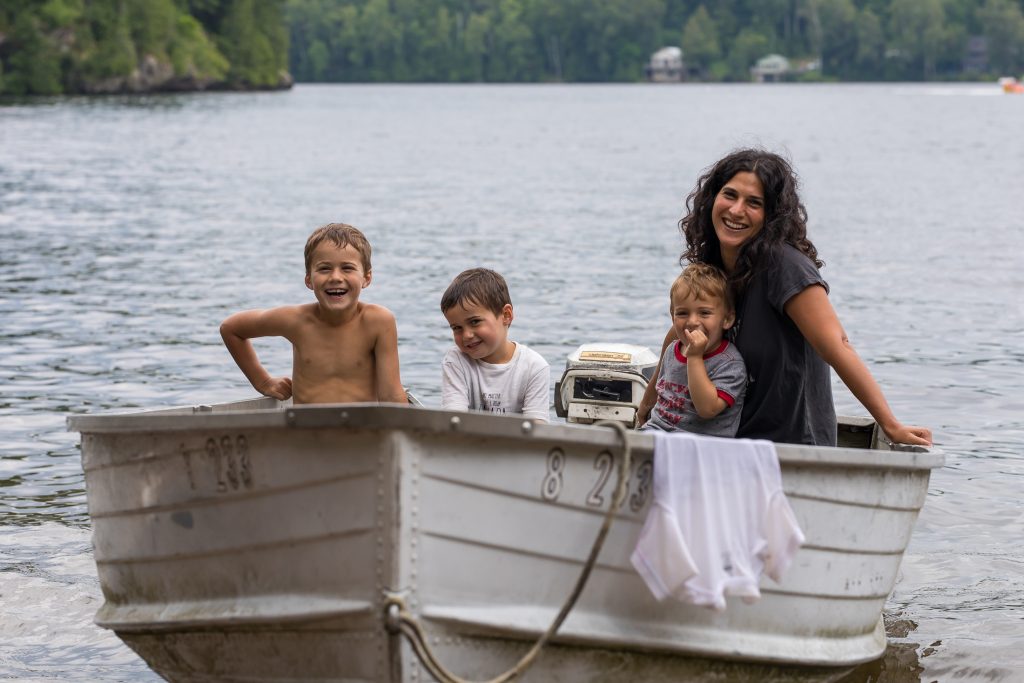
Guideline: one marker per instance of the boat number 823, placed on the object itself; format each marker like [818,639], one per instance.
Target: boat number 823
[603,486]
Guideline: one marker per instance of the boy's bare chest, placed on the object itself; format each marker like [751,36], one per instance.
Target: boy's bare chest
[335,351]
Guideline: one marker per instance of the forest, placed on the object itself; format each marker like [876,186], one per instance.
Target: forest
[109,46]
[611,40]
[54,46]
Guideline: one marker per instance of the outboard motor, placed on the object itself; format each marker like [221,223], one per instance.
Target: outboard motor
[604,382]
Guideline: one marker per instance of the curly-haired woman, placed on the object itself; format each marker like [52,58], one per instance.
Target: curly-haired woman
[745,216]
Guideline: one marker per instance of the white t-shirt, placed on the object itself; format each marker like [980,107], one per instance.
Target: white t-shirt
[520,386]
[718,520]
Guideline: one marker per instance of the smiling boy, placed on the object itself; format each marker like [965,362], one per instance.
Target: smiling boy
[486,370]
[702,377]
[343,350]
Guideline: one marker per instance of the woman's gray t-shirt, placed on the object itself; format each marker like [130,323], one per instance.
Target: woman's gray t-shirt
[789,391]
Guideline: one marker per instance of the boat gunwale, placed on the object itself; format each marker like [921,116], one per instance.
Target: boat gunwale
[375,416]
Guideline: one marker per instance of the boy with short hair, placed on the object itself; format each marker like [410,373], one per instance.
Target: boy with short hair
[343,350]
[486,370]
[702,377]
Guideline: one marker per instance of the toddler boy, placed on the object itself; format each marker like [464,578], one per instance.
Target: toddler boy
[343,350]
[486,370]
[702,377]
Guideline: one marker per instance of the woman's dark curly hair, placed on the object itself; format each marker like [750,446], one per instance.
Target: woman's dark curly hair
[785,218]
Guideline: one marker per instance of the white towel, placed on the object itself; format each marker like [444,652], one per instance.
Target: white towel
[719,519]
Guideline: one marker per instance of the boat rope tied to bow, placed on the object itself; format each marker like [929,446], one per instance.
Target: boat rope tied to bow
[398,618]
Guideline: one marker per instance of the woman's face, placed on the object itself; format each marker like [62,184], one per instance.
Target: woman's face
[738,213]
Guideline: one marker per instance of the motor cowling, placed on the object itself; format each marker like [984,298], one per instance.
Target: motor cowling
[604,381]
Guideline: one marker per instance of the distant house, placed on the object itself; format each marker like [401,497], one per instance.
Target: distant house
[666,66]
[770,69]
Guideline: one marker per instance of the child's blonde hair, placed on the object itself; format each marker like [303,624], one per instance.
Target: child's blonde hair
[342,235]
[703,281]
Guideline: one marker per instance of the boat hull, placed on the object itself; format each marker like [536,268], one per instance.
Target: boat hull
[258,542]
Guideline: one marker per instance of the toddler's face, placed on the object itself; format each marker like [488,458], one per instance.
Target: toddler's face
[481,334]
[707,314]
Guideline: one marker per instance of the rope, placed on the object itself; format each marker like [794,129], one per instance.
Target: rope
[399,618]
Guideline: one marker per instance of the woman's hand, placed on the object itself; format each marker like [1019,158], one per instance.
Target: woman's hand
[650,397]
[643,413]
[907,434]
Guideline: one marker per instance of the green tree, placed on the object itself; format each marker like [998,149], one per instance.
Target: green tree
[1003,25]
[337,27]
[60,13]
[837,42]
[247,46]
[193,53]
[380,37]
[775,20]
[153,25]
[917,29]
[474,46]
[319,58]
[747,48]
[870,55]
[513,57]
[700,40]
[436,60]
[35,64]
[269,15]
[728,18]
[115,55]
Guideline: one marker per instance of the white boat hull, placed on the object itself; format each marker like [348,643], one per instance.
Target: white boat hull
[247,543]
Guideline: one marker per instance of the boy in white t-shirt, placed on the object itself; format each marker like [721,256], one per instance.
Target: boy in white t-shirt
[486,370]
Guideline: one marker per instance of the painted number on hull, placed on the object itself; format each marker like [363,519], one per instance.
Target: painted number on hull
[231,457]
[604,465]
[552,485]
[227,465]
[642,494]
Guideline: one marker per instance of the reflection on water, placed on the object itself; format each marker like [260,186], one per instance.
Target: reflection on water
[130,226]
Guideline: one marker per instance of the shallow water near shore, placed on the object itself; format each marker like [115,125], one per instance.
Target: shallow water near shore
[129,227]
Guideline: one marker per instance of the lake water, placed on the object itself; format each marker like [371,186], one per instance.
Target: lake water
[129,227]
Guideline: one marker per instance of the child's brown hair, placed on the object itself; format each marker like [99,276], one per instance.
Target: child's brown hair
[342,235]
[703,281]
[480,286]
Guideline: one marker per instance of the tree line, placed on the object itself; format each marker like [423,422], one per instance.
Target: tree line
[56,46]
[610,40]
[52,46]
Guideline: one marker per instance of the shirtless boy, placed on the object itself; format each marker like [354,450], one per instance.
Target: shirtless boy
[343,350]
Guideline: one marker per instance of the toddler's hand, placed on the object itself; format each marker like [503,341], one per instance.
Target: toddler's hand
[696,342]
[277,387]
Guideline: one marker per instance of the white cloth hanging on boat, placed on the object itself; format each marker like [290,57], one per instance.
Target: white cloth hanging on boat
[718,519]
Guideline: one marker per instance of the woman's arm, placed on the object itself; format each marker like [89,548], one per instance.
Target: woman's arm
[817,320]
[643,411]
